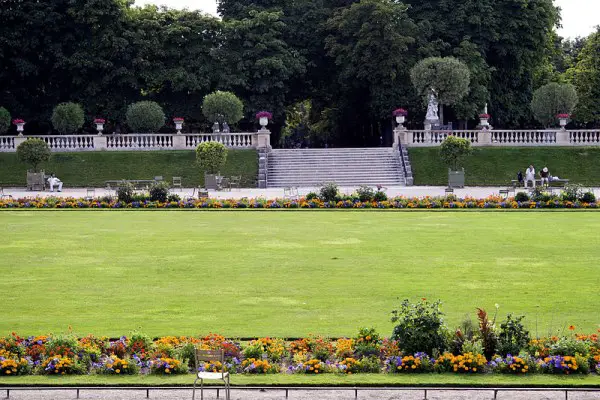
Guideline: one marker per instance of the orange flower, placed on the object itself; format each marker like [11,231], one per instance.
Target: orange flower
[572,328]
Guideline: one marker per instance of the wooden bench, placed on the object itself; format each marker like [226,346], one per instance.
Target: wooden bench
[554,184]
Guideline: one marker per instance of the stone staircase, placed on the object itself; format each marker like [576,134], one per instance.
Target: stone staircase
[346,167]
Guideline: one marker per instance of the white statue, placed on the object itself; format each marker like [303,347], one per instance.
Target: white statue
[432,109]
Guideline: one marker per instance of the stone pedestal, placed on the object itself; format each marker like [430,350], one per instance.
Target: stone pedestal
[263,139]
[563,138]
[179,142]
[485,138]
[400,137]
[19,140]
[100,142]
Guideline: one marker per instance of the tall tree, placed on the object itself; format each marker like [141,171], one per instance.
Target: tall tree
[585,75]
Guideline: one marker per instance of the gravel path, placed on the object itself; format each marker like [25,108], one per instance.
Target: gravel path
[297,395]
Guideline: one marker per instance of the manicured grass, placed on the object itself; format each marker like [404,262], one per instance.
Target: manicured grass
[312,380]
[290,274]
[94,168]
[498,166]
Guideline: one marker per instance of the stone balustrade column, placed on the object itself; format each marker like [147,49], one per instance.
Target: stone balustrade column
[563,138]
[263,139]
[179,142]
[100,142]
[484,137]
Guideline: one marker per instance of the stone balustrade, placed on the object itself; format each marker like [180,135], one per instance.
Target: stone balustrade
[500,138]
[140,141]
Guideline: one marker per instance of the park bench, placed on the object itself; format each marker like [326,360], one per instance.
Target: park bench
[555,184]
[290,193]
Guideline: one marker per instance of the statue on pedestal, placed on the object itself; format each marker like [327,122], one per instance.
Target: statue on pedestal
[432,117]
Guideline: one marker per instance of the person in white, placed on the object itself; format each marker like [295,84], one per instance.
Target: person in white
[530,176]
[54,181]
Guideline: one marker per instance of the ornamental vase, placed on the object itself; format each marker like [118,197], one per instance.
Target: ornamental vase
[563,122]
[99,128]
[20,128]
[263,121]
[400,119]
[178,126]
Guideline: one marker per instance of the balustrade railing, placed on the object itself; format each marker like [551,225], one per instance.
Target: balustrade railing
[68,142]
[7,144]
[233,140]
[140,142]
[585,137]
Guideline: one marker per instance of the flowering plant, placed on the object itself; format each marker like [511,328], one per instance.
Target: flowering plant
[349,366]
[178,119]
[264,114]
[463,363]
[420,362]
[167,366]
[254,366]
[560,365]
[60,365]
[344,348]
[99,121]
[563,116]
[486,116]
[313,366]
[513,365]
[14,366]
[400,112]
[18,121]
[119,366]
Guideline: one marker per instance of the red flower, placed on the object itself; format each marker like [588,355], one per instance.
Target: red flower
[178,119]
[18,121]
[563,116]
[572,327]
[400,112]
[487,116]
[99,121]
[264,114]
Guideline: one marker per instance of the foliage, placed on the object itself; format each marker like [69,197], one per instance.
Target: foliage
[454,151]
[563,365]
[211,156]
[125,192]
[159,191]
[513,337]
[33,152]
[4,120]
[585,75]
[553,99]
[365,193]
[419,327]
[466,363]
[572,192]
[588,197]
[312,196]
[448,78]
[116,366]
[380,196]
[167,366]
[487,333]
[418,363]
[329,192]
[145,116]
[222,107]
[67,117]
[514,365]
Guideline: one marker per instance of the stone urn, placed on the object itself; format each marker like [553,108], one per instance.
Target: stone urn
[20,126]
[99,125]
[263,118]
[484,121]
[178,124]
[563,120]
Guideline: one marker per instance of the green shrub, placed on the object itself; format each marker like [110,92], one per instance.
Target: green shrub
[223,107]
[513,336]
[539,194]
[159,191]
[125,192]
[553,99]
[254,350]
[370,365]
[33,152]
[572,192]
[454,151]
[449,78]
[380,196]
[329,192]
[67,118]
[568,346]
[211,156]
[145,116]
[312,196]
[588,197]
[365,193]
[4,120]
[522,197]
[420,327]
[174,197]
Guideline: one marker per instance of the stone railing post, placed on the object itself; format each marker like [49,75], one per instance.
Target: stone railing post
[263,139]
[179,142]
[19,140]
[484,137]
[563,138]
[100,142]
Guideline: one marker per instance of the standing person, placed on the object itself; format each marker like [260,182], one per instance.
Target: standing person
[54,181]
[530,176]
[545,175]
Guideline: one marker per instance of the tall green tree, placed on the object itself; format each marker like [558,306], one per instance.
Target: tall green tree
[585,75]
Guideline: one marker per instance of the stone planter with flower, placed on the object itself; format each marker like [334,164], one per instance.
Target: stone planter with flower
[400,115]
[178,124]
[563,120]
[20,125]
[100,125]
[484,120]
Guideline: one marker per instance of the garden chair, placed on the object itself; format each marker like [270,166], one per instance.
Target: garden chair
[177,183]
[2,195]
[290,193]
[235,181]
[225,185]
[210,356]
[91,193]
[202,193]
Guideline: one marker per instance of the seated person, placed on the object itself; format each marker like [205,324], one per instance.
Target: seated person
[545,175]
[54,181]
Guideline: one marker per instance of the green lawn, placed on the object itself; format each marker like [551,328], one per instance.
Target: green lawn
[498,166]
[312,380]
[290,273]
[94,168]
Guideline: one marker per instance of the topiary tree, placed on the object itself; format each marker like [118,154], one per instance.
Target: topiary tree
[4,120]
[33,152]
[454,151]
[553,99]
[222,107]
[67,118]
[145,116]
[448,77]
[211,156]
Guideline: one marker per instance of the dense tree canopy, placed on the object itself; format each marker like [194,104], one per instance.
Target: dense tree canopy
[349,60]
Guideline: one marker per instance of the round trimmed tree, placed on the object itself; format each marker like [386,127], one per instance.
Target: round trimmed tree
[145,116]
[553,99]
[222,107]
[33,152]
[448,77]
[454,152]
[4,120]
[211,156]
[67,118]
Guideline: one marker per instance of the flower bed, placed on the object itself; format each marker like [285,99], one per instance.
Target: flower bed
[312,356]
[348,203]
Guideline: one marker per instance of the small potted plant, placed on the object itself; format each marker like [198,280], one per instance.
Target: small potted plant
[263,118]
[20,125]
[99,125]
[563,119]
[178,124]
[400,115]
[484,120]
